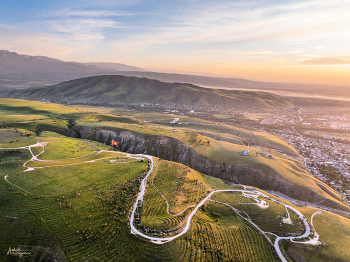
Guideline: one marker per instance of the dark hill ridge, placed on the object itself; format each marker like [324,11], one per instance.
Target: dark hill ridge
[115,89]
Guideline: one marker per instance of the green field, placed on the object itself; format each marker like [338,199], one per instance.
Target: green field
[69,179]
[334,233]
[60,148]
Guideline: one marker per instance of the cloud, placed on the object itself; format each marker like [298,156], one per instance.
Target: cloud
[296,51]
[83,29]
[273,23]
[297,43]
[228,25]
[63,13]
[334,60]
[254,52]
[318,47]
[73,29]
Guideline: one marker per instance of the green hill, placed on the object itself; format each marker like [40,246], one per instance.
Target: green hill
[74,201]
[113,90]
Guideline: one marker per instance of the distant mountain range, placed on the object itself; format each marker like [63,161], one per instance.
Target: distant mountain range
[13,65]
[111,90]
[22,71]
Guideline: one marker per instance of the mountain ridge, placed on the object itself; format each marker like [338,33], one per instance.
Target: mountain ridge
[117,89]
[13,64]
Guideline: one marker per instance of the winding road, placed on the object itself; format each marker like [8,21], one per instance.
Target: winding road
[160,240]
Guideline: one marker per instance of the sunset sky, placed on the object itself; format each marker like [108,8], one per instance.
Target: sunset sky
[272,40]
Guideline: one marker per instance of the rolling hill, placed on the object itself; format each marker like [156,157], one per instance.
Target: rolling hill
[114,90]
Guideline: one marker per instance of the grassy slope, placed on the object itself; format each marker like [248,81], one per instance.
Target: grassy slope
[19,224]
[175,179]
[335,234]
[182,187]
[60,148]
[11,138]
[269,219]
[66,179]
[62,179]
[20,106]
[94,156]
[41,224]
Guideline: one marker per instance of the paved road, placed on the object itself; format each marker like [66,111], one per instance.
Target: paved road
[306,234]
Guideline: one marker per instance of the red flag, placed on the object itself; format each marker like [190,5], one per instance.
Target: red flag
[114,143]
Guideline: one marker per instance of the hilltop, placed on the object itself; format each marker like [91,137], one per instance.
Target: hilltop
[114,90]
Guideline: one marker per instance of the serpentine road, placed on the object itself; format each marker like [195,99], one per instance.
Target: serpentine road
[161,240]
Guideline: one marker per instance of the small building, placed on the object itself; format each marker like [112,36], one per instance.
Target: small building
[175,120]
